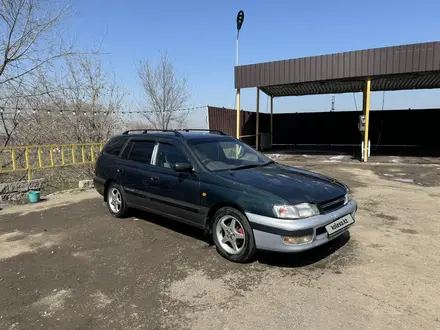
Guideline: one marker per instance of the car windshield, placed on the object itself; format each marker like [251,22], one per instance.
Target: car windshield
[227,154]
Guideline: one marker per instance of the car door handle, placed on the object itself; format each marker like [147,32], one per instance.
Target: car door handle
[119,170]
[154,178]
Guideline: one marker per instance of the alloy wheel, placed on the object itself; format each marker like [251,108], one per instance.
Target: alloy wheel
[230,234]
[115,200]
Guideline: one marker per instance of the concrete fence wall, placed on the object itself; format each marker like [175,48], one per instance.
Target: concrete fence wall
[11,191]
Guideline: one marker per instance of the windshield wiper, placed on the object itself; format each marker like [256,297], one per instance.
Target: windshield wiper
[252,165]
[242,167]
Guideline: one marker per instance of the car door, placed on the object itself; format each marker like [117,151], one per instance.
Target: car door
[176,194]
[135,175]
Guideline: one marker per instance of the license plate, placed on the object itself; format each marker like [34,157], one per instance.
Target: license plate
[339,224]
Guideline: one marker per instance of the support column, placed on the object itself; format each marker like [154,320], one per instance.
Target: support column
[238,115]
[257,120]
[271,121]
[366,112]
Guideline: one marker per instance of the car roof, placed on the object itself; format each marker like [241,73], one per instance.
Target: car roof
[177,134]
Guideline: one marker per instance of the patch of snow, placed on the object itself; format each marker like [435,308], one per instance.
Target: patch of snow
[404,180]
[330,161]
[338,157]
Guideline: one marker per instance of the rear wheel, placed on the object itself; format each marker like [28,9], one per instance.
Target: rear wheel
[233,236]
[115,201]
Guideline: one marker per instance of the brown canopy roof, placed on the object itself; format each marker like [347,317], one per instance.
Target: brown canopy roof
[415,66]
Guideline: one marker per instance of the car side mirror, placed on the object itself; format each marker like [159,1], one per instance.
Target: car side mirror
[183,167]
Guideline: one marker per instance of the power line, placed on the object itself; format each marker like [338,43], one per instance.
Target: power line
[76,111]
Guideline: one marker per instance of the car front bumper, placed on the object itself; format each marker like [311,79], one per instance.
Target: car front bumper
[269,232]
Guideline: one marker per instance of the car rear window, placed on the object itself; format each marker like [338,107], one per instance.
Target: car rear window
[141,151]
[114,146]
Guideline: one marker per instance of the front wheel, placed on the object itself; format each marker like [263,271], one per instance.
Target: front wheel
[233,236]
[115,201]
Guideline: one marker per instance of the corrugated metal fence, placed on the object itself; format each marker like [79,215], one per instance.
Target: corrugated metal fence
[415,127]
[225,120]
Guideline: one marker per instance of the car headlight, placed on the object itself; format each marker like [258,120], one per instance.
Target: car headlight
[298,211]
[348,197]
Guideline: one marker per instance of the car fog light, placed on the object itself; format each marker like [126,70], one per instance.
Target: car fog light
[297,240]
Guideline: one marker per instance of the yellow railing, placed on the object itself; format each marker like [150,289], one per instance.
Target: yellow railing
[31,158]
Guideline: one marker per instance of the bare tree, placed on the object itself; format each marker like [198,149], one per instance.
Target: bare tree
[10,120]
[165,93]
[83,103]
[38,70]
[27,44]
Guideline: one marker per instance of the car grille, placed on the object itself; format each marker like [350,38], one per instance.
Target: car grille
[333,204]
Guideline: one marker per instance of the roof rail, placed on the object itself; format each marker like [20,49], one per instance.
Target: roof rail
[202,130]
[146,130]
[135,130]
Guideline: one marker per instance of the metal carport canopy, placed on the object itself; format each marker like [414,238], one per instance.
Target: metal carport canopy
[414,66]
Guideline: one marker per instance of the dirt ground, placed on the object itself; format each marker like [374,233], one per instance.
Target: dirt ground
[66,264]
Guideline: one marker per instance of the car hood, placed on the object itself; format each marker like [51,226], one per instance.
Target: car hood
[292,184]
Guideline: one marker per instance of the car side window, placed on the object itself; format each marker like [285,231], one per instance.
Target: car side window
[168,155]
[114,146]
[141,151]
[127,150]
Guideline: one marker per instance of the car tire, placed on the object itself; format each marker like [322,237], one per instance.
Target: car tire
[229,226]
[115,201]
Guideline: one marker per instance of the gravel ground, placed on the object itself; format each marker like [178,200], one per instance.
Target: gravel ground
[66,264]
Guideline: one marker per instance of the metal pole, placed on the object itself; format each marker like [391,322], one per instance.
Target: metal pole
[271,121]
[240,18]
[238,114]
[236,50]
[362,150]
[238,92]
[366,111]
[257,124]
